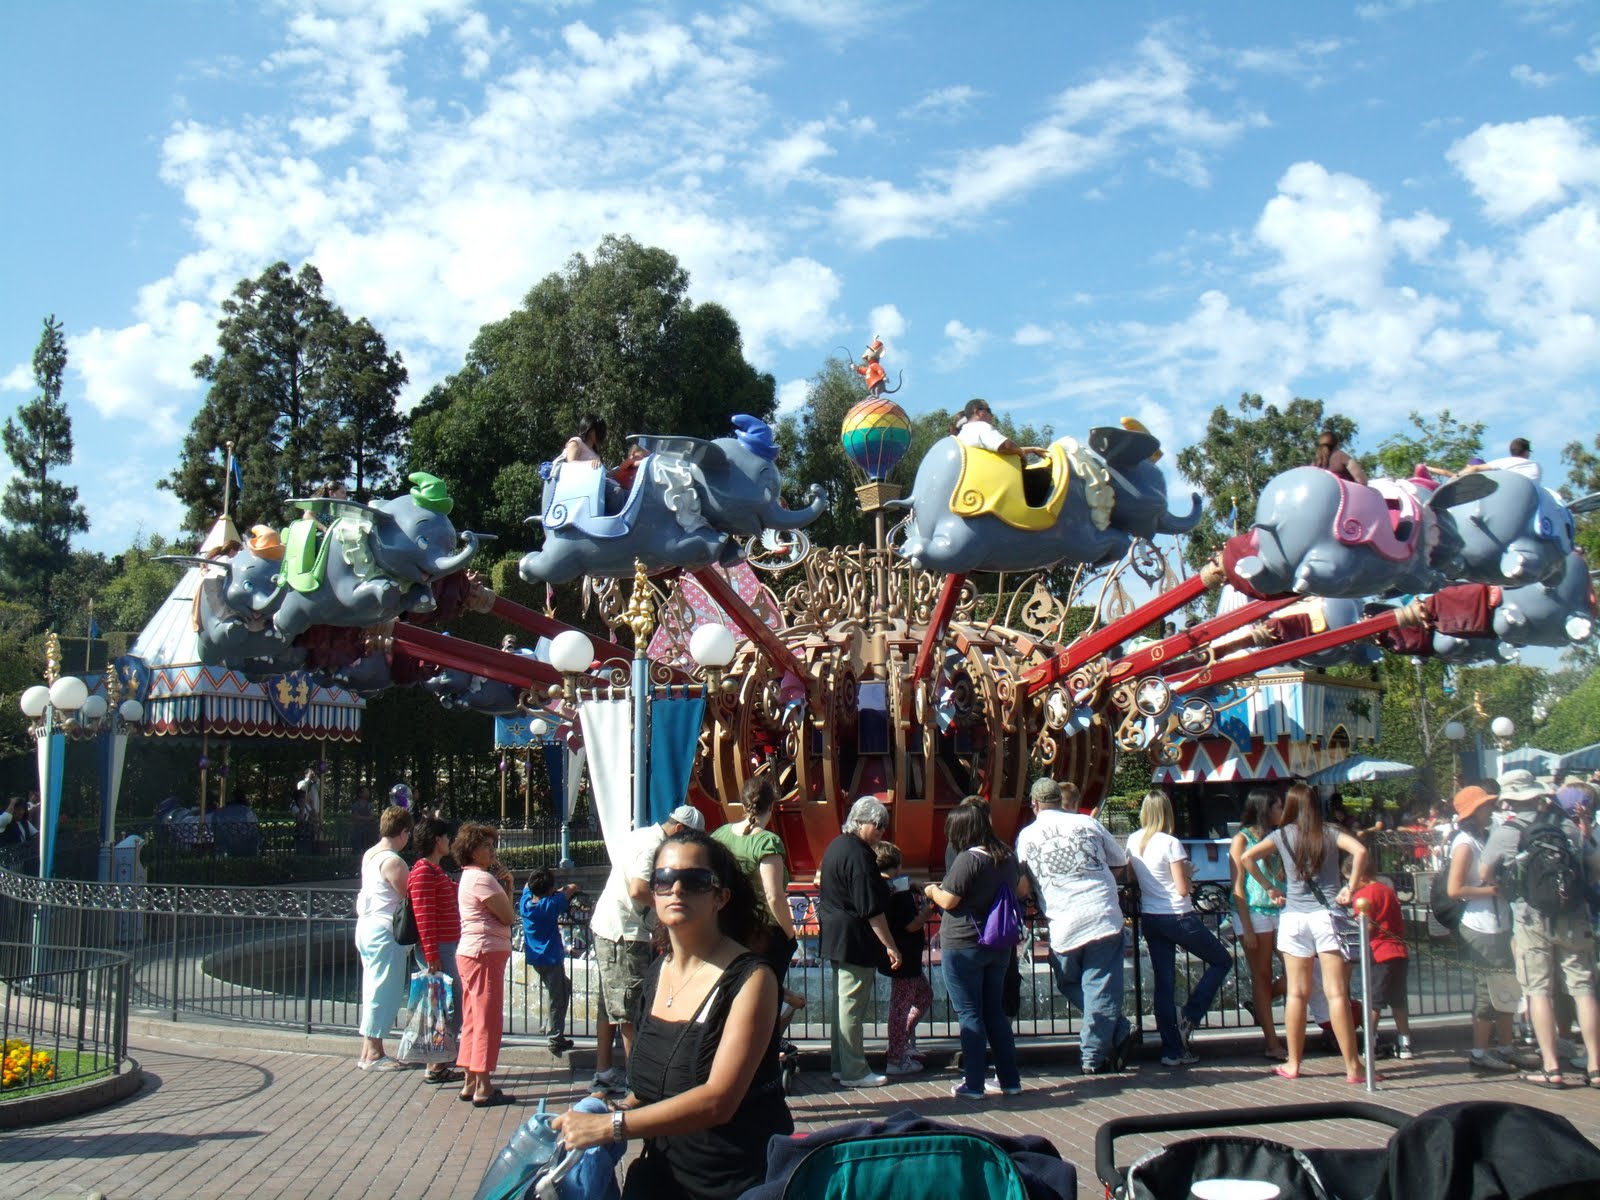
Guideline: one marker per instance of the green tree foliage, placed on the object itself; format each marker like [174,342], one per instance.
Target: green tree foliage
[616,335]
[1583,473]
[21,666]
[138,585]
[1574,720]
[1240,454]
[306,395]
[41,512]
[1439,441]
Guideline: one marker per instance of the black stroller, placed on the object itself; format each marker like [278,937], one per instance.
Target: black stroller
[1479,1150]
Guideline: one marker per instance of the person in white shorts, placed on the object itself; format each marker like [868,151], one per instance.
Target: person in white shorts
[1310,855]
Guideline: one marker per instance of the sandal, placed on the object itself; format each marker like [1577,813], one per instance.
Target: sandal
[493,1100]
[1544,1079]
[448,1075]
[1285,1073]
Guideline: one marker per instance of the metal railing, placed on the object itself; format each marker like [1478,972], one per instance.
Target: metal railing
[63,1013]
[286,956]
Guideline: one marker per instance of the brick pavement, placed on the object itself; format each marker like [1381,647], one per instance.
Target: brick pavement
[279,1124]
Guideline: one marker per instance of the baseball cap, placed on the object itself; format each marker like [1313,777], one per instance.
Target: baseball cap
[686,815]
[1045,791]
[1520,786]
[1469,800]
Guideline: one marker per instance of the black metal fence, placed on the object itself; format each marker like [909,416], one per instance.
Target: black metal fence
[286,956]
[63,1010]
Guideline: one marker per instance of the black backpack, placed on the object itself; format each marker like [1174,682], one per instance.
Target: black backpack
[1549,871]
[1442,906]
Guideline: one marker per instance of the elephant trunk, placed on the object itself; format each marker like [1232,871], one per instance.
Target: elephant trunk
[450,564]
[1171,522]
[788,519]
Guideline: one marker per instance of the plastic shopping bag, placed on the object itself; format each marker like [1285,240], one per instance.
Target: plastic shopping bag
[427,1038]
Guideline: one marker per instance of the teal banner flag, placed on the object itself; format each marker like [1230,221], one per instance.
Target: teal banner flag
[674,733]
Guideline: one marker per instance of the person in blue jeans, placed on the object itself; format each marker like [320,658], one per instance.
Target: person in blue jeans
[974,974]
[542,907]
[1069,858]
[1167,917]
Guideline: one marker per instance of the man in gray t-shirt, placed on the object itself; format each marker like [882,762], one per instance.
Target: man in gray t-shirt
[1541,943]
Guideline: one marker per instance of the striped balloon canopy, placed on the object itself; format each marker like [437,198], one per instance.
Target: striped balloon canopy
[876,435]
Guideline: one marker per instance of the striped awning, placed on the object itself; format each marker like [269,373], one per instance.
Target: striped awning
[197,700]
[1217,760]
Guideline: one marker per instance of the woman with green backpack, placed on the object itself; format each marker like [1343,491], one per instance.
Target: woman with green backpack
[976,924]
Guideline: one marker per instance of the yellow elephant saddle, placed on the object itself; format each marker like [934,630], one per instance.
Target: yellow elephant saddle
[990,484]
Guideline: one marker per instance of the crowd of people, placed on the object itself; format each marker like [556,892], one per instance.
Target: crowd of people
[693,937]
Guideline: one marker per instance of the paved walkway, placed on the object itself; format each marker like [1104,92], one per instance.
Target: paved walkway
[225,1120]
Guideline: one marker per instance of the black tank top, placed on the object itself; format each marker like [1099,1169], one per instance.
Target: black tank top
[669,1058]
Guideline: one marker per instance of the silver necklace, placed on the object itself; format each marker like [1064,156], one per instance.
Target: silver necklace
[678,991]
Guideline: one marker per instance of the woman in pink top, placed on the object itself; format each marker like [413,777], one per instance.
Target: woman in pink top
[481,955]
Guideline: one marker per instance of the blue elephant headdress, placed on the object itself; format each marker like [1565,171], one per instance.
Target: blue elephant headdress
[755,435]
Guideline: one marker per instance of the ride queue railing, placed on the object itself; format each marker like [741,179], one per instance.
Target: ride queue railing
[285,956]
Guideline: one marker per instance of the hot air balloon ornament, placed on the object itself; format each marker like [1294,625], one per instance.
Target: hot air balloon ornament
[876,434]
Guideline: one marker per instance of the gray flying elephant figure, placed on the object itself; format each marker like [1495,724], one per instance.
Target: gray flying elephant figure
[689,499]
[1317,534]
[976,510]
[1550,614]
[1513,531]
[239,593]
[374,562]
[473,693]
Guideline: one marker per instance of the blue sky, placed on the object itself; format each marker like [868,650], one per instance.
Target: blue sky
[1078,211]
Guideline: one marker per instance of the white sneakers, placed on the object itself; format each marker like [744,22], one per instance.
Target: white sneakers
[869,1080]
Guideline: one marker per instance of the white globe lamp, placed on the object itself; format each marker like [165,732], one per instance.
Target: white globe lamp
[34,701]
[131,711]
[712,646]
[1503,728]
[94,708]
[571,652]
[1454,731]
[68,693]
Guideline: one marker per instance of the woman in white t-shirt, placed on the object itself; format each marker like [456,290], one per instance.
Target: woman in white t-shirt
[1485,925]
[1167,917]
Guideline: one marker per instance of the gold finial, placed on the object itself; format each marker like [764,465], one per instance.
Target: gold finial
[1477,706]
[641,614]
[113,688]
[52,658]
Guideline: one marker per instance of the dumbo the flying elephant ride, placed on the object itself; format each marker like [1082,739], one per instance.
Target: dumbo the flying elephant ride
[689,500]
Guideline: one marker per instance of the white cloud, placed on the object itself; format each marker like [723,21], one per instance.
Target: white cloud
[1304,61]
[1528,77]
[1522,166]
[789,158]
[1330,237]
[887,322]
[792,394]
[479,44]
[946,103]
[1589,61]
[1381,11]
[18,379]
[1148,103]
[962,345]
[1032,335]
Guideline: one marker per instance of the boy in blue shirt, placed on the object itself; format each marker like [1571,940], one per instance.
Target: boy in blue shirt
[543,905]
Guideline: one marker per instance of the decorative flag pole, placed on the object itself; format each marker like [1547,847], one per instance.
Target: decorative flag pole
[641,619]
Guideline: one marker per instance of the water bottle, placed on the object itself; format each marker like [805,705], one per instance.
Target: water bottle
[529,1149]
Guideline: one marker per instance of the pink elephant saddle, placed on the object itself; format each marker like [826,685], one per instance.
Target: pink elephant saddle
[1384,516]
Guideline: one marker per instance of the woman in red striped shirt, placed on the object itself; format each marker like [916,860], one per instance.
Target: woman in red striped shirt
[438,913]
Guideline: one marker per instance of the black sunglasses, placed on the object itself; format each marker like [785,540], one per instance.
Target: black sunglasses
[694,880]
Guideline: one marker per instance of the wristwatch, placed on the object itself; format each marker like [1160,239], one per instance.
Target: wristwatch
[618,1133]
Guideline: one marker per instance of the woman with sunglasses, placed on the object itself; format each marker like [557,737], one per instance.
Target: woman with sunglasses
[707,1094]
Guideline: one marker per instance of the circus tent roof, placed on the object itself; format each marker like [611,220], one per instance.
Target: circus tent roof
[182,695]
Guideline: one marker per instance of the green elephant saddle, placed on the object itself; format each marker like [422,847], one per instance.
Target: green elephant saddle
[306,546]
[1030,499]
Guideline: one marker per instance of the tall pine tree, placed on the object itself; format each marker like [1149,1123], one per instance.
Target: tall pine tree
[306,395]
[41,512]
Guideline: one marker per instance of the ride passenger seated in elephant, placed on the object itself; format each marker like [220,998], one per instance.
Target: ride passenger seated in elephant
[584,448]
[1330,458]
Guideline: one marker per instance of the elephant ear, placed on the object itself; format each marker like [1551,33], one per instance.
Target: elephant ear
[1463,489]
[707,455]
[1585,504]
[1123,448]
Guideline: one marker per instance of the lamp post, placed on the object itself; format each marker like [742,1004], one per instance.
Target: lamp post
[54,706]
[1503,729]
[713,647]
[1454,732]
